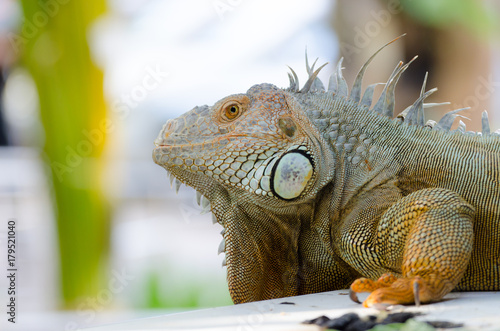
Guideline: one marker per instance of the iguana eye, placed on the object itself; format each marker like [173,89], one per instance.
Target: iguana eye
[232,111]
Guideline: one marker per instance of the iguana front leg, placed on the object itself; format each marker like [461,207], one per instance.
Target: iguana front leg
[428,234]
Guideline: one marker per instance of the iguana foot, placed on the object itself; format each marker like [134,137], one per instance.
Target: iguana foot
[362,285]
[389,290]
[408,291]
[401,291]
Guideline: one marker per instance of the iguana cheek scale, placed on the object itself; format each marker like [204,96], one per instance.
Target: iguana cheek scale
[319,190]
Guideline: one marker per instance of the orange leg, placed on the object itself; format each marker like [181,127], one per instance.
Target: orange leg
[434,229]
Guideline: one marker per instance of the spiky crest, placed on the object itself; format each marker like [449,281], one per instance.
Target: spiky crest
[412,115]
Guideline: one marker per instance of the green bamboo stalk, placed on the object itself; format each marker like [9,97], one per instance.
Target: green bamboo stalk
[55,51]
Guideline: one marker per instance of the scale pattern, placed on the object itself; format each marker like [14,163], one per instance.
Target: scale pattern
[319,190]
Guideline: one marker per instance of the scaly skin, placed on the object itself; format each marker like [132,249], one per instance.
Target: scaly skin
[317,192]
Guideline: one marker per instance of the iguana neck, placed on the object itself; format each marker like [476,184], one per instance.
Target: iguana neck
[369,149]
[360,141]
[262,259]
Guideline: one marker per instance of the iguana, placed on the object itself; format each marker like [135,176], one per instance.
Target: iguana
[316,191]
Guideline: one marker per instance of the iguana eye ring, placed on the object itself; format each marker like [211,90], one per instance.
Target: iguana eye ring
[232,111]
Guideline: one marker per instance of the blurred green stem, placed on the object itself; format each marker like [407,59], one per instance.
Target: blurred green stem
[55,50]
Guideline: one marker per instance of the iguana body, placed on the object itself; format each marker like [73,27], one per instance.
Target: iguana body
[316,191]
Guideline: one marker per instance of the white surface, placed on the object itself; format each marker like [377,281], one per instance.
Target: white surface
[477,310]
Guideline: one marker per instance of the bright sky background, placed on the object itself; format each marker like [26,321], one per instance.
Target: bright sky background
[209,49]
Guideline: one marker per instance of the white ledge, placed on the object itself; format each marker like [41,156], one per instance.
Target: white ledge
[476,310]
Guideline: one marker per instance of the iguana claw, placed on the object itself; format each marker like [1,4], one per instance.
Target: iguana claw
[353,296]
[416,295]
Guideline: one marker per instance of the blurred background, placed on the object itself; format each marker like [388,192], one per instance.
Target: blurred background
[87,85]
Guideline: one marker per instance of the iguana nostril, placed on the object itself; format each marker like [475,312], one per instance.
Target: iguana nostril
[169,127]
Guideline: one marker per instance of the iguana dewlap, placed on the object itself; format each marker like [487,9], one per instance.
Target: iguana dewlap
[317,191]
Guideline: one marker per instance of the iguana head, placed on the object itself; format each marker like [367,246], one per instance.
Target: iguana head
[255,157]
[259,145]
